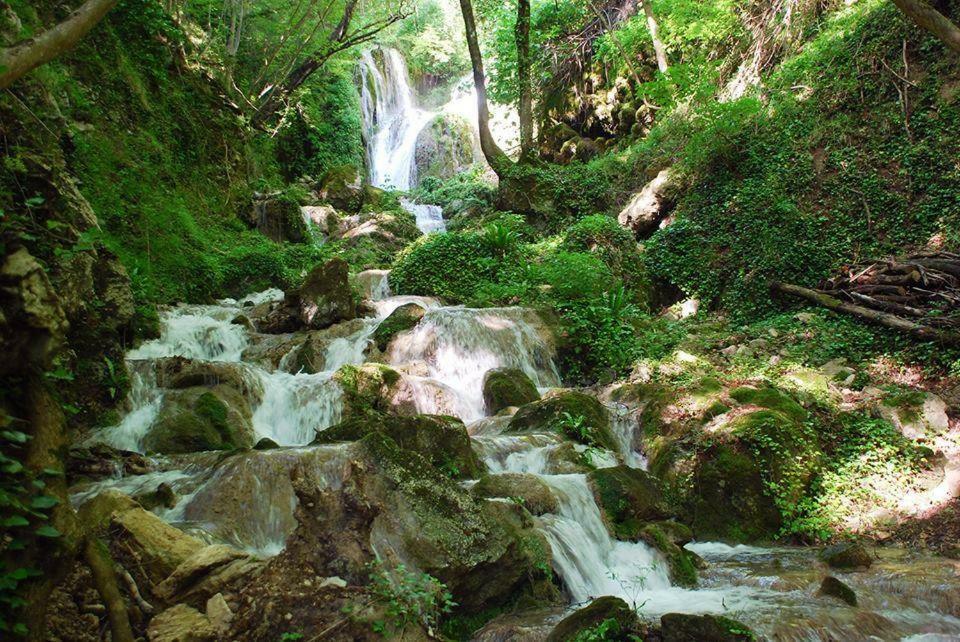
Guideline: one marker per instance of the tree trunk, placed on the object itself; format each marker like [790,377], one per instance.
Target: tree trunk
[497,160]
[658,47]
[918,330]
[26,56]
[932,20]
[522,36]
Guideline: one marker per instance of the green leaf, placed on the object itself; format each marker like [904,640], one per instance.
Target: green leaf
[13,467]
[15,436]
[47,531]
[44,501]
[16,520]
[51,472]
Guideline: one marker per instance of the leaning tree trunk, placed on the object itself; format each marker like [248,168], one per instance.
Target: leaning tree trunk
[928,18]
[522,36]
[497,160]
[22,58]
[658,47]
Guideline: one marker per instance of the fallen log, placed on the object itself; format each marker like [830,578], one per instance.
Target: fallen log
[878,317]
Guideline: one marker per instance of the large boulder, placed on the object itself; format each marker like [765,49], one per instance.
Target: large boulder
[403,318]
[177,373]
[372,389]
[505,387]
[847,555]
[628,498]
[916,414]
[201,418]
[442,440]
[731,476]
[529,490]
[342,187]
[574,414]
[622,621]
[686,627]
[444,148]
[681,563]
[487,553]
[279,218]
[323,299]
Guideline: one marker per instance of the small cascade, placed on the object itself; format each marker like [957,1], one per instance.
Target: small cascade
[429,217]
[295,407]
[590,562]
[459,345]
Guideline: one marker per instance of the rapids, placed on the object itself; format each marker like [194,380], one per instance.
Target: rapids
[247,499]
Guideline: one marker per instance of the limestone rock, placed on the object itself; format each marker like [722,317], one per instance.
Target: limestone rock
[916,415]
[373,284]
[219,613]
[505,387]
[32,322]
[535,495]
[181,623]
[444,148]
[179,372]
[161,546]
[200,564]
[324,298]
[628,497]
[279,218]
[342,187]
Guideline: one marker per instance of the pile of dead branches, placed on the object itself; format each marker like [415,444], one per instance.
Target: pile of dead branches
[919,294]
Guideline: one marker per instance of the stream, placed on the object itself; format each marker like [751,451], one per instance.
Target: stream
[902,596]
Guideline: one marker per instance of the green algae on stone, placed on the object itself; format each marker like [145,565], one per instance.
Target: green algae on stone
[628,498]
[506,387]
[400,320]
[574,414]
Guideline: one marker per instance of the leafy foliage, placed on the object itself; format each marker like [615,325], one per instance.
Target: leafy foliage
[409,598]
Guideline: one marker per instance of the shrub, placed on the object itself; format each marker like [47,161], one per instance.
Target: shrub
[615,246]
[450,265]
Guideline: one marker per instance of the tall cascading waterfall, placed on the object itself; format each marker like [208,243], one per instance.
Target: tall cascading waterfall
[391,124]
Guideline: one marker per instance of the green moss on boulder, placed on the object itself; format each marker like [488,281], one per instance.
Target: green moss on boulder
[574,414]
[528,489]
[441,440]
[400,320]
[592,616]
[505,387]
[342,187]
[628,498]
[681,563]
[201,418]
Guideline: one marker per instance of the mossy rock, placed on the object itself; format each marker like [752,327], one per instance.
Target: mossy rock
[528,489]
[506,387]
[201,418]
[487,553]
[580,622]
[681,563]
[835,588]
[372,388]
[323,299]
[442,440]
[444,148]
[400,320]
[772,399]
[574,414]
[848,555]
[628,498]
[342,187]
[687,627]
[278,218]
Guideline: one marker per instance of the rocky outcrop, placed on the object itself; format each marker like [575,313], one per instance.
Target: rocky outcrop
[33,325]
[628,497]
[444,148]
[574,414]
[506,387]
[177,373]
[323,299]
[201,418]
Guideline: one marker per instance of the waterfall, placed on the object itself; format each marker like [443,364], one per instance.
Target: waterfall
[459,345]
[391,119]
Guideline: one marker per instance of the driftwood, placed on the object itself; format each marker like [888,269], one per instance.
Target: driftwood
[918,330]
